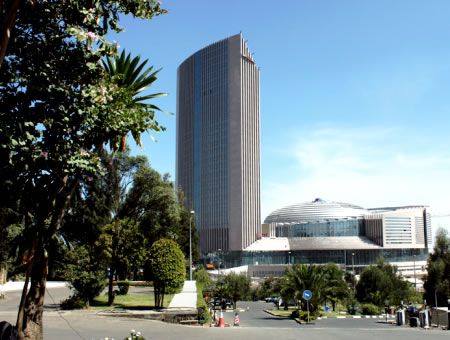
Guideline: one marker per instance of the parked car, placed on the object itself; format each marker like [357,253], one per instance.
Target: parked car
[273,298]
[217,302]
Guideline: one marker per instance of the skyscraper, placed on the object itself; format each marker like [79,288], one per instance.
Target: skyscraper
[218,158]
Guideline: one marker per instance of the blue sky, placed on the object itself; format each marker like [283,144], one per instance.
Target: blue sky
[355,95]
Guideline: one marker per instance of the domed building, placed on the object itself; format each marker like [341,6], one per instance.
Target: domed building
[353,237]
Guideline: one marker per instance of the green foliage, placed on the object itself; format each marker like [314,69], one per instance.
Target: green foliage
[301,277]
[203,314]
[303,315]
[236,287]
[351,304]
[325,281]
[263,290]
[73,302]
[153,202]
[437,281]
[295,314]
[370,309]
[335,288]
[167,268]
[381,282]
[202,277]
[9,240]
[123,286]
[59,108]
[85,275]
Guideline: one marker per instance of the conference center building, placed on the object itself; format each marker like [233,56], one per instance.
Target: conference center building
[320,232]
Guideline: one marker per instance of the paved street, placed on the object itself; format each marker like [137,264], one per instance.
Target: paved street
[255,324]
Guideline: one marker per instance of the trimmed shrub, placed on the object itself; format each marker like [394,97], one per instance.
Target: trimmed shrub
[304,316]
[124,286]
[73,302]
[370,309]
[203,315]
[295,314]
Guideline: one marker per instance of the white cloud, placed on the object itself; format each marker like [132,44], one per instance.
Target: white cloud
[371,167]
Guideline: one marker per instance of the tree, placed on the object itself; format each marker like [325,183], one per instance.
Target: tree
[85,273]
[237,287]
[437,281]
[335,288]
[380,283]
[59,108]
[126,246]
[153,202]
[301,277]
[167,268]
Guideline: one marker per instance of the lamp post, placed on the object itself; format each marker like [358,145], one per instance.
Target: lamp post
[192,212]
[353,264]
[414,264]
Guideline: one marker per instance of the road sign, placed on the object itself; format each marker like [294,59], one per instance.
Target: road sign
[307,295]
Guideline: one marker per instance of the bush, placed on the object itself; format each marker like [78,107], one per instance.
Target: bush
[124,286]
[85,274]
[304,316]
[370,309]
[203,315]
[73,302]
[88,284]
[352,307]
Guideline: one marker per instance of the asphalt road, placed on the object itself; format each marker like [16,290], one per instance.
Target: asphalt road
[255,325]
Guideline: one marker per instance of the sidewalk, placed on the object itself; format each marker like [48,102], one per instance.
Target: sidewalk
[187,298]
[14,286]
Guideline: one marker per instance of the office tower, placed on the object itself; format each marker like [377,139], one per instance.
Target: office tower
[218,158]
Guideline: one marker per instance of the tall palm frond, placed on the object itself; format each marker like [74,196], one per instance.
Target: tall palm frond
[132,76]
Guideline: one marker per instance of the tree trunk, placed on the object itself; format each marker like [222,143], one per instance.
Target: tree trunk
[29,317]
[110,286]
[6,28]
[30,325]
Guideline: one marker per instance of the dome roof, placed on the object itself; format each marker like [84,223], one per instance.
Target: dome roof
[317,210]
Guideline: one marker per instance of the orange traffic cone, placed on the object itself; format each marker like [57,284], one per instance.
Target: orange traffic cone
[236,319]
[221,320]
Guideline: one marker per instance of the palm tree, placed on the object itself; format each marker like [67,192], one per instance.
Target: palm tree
[129,75]
[335,287]
[302,277]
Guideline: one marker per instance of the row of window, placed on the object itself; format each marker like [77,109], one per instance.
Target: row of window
[345,257]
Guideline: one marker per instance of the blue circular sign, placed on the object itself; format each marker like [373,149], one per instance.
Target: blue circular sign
[307,295]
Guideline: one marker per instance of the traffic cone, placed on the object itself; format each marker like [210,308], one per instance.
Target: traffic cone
[221,320]
[236,319]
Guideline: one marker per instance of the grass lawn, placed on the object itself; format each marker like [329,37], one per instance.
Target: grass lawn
[137,301]
[281,312]
[285,313]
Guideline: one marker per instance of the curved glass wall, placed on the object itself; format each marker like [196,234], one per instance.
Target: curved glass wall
[361,257]
[321,229]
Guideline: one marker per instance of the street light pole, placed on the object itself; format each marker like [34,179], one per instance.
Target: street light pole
[353,271]
[414,264]
[192,212]
[353,264]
